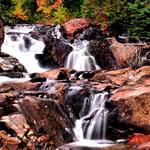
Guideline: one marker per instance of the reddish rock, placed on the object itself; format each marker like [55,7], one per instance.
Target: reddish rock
[121,77]
[123,54]
[16,122]
[14,86]
[56,74]
[45,117]
[102,86]
[75,24]
[133,106]
[139,139]
[132,100]
[116,77]
[144,146]
[8,142]
[7,97]
[129,54]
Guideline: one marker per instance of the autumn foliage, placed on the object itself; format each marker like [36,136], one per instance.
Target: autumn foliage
[42,5]
[131,17]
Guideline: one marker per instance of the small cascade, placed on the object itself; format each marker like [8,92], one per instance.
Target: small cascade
[56,33]
[20,44]
[93,124]
[4,79]
[90,128]
[80,58]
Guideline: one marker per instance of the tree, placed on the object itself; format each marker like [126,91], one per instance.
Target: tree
[105,12]
[140,20]
[5,10]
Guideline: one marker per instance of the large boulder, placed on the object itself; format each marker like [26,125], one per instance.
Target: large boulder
[132,100]
[104,57]
[10,66]
[55,74]
[59,52]
[130,54]
[75,24]
[1,33]
[133,105]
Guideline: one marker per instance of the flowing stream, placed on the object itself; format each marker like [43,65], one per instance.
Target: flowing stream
[20,44]
[80,58]
[91,125]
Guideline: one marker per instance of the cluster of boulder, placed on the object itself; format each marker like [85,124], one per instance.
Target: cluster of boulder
[38,114]
[107,51]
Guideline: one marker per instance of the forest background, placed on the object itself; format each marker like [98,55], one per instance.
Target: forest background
[127,16]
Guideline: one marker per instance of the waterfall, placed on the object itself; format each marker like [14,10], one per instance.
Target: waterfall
[80,58]
[93,124]
[20,44]
[90,128]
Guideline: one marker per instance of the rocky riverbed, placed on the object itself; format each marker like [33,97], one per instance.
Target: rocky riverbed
[39,110]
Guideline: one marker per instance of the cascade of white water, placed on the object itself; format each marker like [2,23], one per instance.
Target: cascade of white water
[19,44]
[80,58]
[4,79]
[93,124]
[57,34]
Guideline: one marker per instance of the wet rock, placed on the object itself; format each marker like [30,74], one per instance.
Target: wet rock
[53,90]
[45,117]
[75,24]
[75,97]
[91,32]
[57,74]
[10,66]
[7,142]
[27,42]
[132,101]
[59,52]
[1,34]
[102,54]
[16,122]
[34,117]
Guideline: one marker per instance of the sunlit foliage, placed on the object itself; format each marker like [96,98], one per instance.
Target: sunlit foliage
[131,15]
